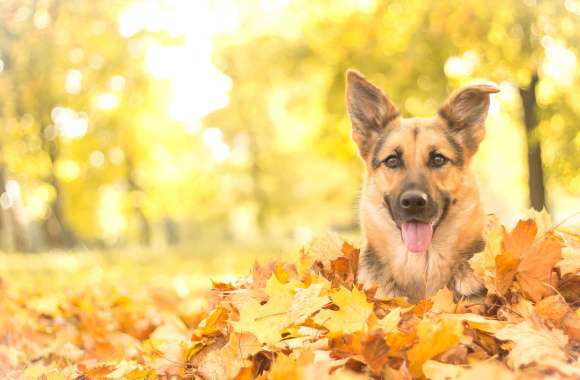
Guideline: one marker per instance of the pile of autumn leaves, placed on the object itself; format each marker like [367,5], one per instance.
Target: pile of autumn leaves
[310,319]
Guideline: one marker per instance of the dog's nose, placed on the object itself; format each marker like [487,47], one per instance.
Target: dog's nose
[413,201]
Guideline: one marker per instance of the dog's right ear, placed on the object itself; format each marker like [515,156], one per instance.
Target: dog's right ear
[370,110]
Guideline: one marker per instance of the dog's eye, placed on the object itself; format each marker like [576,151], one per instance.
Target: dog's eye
[437,160]
[392,161]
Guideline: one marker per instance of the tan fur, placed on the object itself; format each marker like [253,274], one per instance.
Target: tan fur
[385,260]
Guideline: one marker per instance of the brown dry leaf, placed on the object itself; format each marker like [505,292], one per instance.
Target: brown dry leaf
[506,268]
[352,316]
[553,309]
[533,343]
[375,352]
[558,313]
[516,245]
[346,345]
[435,337]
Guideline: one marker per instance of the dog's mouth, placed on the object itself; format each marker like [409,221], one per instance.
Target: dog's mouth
[417,235]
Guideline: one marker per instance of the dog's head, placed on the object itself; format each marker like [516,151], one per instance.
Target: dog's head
[419,164]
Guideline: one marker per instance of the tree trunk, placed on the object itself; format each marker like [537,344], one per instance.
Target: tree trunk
[535,170]
[134,188]
[58,231]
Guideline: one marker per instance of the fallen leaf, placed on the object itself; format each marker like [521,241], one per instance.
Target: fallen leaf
[570,262]
[483,263]
[482,370]
[305,303]
[535,269]
[375,352]
[352,314]
[266,321]
[435,337]
[533,343]
[443,301]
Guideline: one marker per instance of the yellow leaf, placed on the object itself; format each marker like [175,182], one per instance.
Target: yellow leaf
[234,355]
[352,316]
[305,303]
[266,321]
[483,263]
[435,337]
[477,321]
[443,301]
[533,343]
[389,322]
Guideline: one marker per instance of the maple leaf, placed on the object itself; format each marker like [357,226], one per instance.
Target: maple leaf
[524,256]
[352,314]
[535,269]
[515,245]
[266,321]
[435,337]
[213,324]
[443,301]
[375,352]
[533,343]
[227,361]
[305,303]
[388,323]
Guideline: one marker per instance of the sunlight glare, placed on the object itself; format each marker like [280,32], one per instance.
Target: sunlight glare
[213,138]
[460,67]
[69,123]
[73,82]
[197,86]
[560,62]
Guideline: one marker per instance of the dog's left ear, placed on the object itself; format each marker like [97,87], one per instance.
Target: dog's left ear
[465,112]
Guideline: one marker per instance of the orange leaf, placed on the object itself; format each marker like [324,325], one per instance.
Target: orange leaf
[375,352]
[535,269]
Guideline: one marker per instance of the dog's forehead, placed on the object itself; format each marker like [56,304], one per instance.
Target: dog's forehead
[413,129]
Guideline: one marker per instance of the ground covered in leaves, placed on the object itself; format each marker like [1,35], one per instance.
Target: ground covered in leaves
[310,319]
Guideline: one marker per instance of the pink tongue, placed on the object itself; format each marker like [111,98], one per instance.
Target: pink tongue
[417,236]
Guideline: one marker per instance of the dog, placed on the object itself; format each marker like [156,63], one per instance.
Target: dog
[420,212]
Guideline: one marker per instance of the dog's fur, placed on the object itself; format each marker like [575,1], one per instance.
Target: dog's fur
[454,207]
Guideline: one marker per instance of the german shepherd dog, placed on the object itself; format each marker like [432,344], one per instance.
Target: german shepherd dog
[420,211]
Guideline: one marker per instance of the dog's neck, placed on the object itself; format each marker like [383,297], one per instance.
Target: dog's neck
[419,274]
